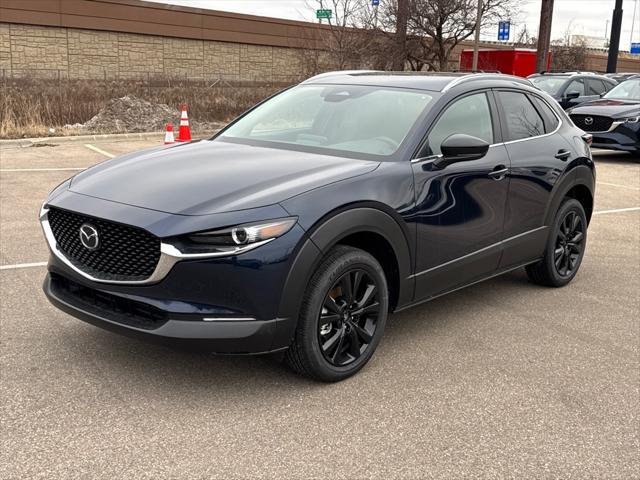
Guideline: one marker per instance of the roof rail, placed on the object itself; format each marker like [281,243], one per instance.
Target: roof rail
[480,76]
[344,72]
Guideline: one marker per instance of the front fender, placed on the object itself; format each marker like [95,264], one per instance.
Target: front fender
[319,240]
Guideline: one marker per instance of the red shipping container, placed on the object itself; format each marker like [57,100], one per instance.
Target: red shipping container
[517,61]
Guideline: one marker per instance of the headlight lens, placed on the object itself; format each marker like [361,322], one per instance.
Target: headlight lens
[631,119]
[234,239]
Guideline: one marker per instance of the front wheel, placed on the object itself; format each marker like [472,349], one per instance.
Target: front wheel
[343,315]
[565,247]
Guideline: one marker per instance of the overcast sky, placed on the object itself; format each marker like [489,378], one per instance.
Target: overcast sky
[582,17]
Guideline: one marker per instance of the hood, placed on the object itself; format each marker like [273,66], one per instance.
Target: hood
[206,177]
[608,107]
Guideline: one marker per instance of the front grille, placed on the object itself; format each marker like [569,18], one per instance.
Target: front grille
[598,124]
[124,253]
[108,306]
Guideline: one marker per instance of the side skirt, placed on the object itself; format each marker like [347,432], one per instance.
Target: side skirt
[488,277]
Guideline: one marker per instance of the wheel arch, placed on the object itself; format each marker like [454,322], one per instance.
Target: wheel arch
[362,226]
[578,184]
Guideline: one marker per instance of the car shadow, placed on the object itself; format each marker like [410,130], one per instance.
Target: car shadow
[614,157]
[165,367]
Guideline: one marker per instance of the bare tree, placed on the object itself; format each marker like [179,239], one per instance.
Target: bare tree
[439,26]
[344,38]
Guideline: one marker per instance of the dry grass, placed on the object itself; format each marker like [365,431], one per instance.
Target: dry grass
[29,108]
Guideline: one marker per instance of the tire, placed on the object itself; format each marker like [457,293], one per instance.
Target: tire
[565,247]
[335,338]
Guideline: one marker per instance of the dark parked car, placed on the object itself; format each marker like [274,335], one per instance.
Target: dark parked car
[614,120]
[571,89]
[621,77]
[306,221]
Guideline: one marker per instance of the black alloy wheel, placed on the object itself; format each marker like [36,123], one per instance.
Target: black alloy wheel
[565,247]
[342,317]
[569,244]
[348,317]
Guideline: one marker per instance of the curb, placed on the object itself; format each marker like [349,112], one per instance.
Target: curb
[27,142]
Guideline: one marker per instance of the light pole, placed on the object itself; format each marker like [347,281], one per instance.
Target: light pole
[476,42]
[614,43]
[544,35]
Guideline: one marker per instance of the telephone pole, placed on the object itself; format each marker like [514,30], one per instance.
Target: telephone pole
[544,35]
[614,42]
[476,42]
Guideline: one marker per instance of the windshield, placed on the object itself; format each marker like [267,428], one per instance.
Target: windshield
[629,90]
[345,118]
[549,84]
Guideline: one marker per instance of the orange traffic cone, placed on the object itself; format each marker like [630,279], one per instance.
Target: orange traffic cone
[184,133]
[168,136]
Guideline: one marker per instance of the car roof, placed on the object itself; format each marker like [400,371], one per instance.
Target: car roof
[438,82]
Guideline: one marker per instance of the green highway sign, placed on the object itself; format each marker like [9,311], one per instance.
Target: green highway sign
[323,13]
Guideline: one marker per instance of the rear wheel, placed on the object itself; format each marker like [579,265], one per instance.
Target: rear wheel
[343,315]
[565,247]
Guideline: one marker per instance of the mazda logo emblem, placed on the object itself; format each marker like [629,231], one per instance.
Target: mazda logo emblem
[89,237]
[588,121]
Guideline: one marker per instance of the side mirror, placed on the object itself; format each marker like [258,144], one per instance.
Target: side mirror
[460,148]
[572,95]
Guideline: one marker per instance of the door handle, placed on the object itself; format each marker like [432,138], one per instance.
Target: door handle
[563,154]
[499,172]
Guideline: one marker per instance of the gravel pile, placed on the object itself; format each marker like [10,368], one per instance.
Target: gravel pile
[132,114]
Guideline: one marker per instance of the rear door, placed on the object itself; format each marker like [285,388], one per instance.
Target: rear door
[538,156]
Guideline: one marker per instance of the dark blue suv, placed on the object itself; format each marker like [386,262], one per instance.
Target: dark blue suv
[306,221]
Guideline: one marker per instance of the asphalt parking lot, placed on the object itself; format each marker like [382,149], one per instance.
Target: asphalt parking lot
[503,379]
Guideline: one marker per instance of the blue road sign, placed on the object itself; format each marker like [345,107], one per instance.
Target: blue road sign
[504,29]
[375,3]
[635,48]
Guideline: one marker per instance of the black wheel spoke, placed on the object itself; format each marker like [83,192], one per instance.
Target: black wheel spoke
[354,344]
[372,308]
[347,289]
[328,318]
[364,336]
[331,305]
[577,238]
[347,321]
[368,296]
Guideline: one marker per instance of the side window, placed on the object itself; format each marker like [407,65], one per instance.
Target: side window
[522,119]
[550,119]
[576,86]
[609,86]
[470,115]
[595,86]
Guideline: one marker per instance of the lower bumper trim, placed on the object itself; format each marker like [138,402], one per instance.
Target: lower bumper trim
[231,337]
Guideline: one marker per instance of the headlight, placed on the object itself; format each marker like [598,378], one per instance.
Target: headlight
[631,119]
[234,239]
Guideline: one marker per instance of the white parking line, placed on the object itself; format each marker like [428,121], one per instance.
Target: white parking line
[99,150]
[617,210]
[617,185]
[64,169]
[22,265]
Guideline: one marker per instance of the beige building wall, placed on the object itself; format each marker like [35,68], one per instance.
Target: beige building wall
[65,52]
[51,52]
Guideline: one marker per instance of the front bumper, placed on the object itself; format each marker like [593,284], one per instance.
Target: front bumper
[226,336]
[623,137]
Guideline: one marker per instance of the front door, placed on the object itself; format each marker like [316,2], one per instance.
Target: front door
[460,209]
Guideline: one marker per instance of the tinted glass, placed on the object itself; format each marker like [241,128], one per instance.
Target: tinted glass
[549,83]
[550,119]
[628,90]
[575,86]
[343,118]
[595,86]
[522,119]
[470,115]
